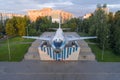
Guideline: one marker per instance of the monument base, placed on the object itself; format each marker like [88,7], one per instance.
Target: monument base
[70,52]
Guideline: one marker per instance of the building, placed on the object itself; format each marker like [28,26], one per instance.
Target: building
[4,16]
[86,16]
[34,14]
[106,10]
[54,14]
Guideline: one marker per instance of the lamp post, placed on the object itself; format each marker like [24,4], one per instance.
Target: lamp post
[9,55]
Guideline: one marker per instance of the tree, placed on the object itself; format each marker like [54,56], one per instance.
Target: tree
[0,29]
[54,25]
[85,25]
[80,25]
[116,33]
[22,25]
[2,25]
[72,23]
[17,26]
[100,27]
[42,24]
[104,5]
[10,28]
[111,24]
[31,29]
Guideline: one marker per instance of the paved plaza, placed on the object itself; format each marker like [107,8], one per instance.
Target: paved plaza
[79,70]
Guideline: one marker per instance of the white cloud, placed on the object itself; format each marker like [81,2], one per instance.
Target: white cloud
[67,3]
[114,6]
[55,4]
[51,5]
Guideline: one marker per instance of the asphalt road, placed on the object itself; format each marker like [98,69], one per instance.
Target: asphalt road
[80,70]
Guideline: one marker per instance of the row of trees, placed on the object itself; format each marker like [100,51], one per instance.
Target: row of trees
[107,28]
[41,25]
[20,26]
[16,26]
[101,24]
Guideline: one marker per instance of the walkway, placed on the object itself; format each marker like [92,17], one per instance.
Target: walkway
[80,70]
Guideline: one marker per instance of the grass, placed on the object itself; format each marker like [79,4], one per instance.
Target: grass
[18,47]
[109,55]
[83,34]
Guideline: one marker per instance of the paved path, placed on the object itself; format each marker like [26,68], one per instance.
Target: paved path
[37,70]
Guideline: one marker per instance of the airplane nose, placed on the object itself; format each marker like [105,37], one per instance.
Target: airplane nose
[57,40]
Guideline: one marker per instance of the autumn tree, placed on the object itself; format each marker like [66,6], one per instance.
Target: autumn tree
[17,26]
[10,27]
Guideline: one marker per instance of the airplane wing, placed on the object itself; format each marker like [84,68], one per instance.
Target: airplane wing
[88,37]
[40,38]
[62,28]
[79,38]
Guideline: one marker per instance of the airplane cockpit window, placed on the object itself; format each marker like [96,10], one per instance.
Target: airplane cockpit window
[57,44]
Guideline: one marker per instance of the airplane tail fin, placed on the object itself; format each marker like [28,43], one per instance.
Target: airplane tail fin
[60,21]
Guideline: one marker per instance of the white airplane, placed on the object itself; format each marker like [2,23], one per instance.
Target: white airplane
[59,40]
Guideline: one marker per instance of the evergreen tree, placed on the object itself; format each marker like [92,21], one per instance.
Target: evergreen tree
[116,35]
[111,24]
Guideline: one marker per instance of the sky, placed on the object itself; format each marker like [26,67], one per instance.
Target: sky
[76,7]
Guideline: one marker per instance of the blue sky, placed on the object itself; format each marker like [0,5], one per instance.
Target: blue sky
[76,7]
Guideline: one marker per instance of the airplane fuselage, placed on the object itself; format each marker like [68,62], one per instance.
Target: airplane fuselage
[58,41]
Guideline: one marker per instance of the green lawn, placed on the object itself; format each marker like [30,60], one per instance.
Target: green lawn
[18,47]
[109,55]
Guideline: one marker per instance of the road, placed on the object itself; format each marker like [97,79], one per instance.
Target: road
[79,70]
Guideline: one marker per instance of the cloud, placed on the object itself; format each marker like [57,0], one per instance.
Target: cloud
[114,6]
[67,3]
[51,5]
[77,7]
[24,5]
[55,4]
